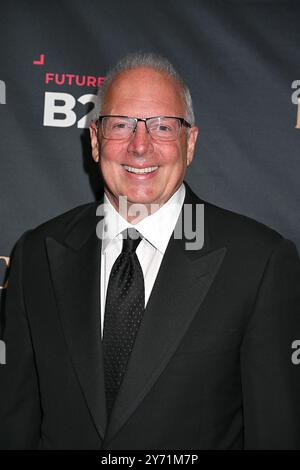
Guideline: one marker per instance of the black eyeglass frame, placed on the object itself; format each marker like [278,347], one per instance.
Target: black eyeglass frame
[182,121]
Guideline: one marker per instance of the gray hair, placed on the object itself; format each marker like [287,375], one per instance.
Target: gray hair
[152,61]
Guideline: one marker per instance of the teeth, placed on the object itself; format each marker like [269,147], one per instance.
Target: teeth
[131,169]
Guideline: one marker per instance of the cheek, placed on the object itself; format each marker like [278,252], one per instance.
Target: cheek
[171,154]
[112,151]
[176,160]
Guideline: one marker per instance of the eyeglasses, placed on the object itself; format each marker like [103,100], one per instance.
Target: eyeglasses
[163,128]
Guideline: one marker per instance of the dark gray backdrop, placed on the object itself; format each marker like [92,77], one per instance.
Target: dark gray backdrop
[240,59]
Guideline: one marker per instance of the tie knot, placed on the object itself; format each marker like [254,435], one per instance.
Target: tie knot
[131,239]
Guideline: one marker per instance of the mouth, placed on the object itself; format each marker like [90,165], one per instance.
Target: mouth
[140,171]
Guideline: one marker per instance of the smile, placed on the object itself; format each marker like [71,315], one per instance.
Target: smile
[131,169]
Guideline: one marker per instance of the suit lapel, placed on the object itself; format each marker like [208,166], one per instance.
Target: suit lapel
[181,285]
[75,272]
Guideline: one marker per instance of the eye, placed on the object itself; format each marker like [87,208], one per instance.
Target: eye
[164,128]
[161,127]
[119,125]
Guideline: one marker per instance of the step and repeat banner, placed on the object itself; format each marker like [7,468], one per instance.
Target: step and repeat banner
[241,60]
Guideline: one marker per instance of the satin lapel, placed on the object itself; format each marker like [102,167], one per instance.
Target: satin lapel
[75,272]
[182,283]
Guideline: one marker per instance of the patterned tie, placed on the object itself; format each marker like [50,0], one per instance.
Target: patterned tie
[124,308]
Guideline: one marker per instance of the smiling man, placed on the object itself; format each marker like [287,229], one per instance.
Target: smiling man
[146,161]
[126,337]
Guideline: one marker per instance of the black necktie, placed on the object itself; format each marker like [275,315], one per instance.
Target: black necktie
[124,307]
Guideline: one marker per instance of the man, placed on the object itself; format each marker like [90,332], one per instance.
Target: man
[167,345]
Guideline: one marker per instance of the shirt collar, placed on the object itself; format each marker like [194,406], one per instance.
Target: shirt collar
[157,228]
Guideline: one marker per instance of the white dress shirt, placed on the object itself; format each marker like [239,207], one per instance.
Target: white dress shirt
[156,230]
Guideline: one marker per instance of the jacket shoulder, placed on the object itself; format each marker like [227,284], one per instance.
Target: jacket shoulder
[240,230]
[227,226]
[60,225]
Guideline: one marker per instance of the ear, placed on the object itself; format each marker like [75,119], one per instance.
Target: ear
[191,143]
[94,141]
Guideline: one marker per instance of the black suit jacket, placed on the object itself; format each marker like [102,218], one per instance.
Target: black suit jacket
[211,367]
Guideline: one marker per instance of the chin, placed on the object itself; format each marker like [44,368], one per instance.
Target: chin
[139,197]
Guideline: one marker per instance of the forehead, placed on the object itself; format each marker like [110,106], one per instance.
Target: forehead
[144,91]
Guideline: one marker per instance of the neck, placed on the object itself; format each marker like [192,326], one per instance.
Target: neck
[131,211]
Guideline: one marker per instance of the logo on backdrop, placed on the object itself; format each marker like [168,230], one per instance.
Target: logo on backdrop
[62,108]
[2,352]
[296,353]
[2,92]
[296,100]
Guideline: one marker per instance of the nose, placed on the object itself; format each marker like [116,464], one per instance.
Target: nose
[140,141]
